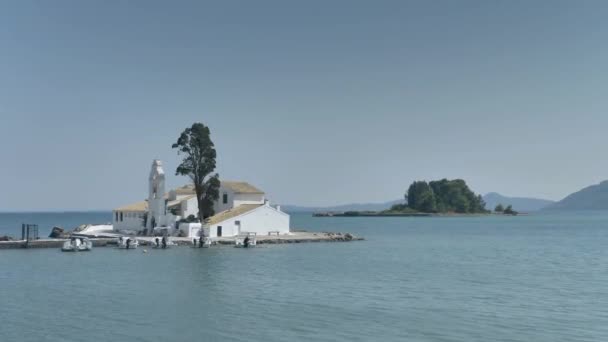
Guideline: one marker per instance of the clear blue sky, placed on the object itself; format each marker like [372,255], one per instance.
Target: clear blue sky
[316,102]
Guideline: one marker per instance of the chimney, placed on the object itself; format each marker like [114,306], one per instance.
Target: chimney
[278,208]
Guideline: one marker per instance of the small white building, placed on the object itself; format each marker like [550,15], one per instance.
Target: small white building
[241,208]
[262,219]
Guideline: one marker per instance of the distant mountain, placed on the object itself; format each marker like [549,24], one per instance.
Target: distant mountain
[594,197]
[344,207]
[522,204]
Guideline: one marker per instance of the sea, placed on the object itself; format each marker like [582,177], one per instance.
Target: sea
[541,277]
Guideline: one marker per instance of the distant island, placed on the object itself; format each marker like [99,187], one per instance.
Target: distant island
[440,197]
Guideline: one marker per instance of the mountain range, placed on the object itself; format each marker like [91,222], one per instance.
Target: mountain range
[594,197]
[523,204]
[344,207]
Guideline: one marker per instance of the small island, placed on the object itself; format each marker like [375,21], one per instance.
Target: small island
[436,198]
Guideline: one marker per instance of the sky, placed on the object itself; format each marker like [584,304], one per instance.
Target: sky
[315,102]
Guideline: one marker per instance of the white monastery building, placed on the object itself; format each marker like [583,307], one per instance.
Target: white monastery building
[241,208]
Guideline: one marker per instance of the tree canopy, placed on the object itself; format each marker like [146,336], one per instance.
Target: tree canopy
[499,208]
[444,196]
[198,163]
[421,197]
[509,211]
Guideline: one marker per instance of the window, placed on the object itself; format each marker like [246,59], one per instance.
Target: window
[219,231]
[225,199]
[121,216]
[116,216]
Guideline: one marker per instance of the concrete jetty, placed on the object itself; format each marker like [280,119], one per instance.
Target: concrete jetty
[293,237]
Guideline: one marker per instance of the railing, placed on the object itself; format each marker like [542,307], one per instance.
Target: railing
[29,232]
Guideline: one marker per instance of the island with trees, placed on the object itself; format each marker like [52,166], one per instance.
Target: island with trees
[434,198]
[500,209]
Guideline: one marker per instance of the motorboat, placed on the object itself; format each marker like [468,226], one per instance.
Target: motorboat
[126,242]
[245,240]
[77,245]
[95,230]
[162,243]
[206,242]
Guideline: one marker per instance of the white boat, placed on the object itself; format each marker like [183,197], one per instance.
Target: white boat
[207,242]
[126,242]
[95,230]
[158,243]
[77,245]
[245,240]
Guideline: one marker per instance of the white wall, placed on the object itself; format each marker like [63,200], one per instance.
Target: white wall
[130,220]
[191,230]
[248,199]
[260,221]
[189,207]
[235,199]
[169,220]
[219,205]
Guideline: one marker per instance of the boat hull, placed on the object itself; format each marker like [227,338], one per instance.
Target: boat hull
[76,246]
[122,243]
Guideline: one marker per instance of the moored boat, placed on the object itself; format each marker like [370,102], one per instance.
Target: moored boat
[202,242]
[162,243]
[245,240]
[77,245]
[125,242]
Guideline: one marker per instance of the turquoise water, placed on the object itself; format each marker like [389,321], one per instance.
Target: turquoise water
[535,278]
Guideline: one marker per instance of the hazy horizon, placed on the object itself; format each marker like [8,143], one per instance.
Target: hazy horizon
[317,103]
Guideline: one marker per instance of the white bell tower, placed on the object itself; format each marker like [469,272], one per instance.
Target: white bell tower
[157,207]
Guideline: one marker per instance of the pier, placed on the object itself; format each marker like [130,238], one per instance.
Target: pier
[293,237]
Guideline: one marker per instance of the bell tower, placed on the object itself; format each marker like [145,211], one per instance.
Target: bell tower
[156,196]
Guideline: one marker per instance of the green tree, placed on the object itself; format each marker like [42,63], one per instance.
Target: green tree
[421,197]
[198,163]
[398,207]
[444,196]
[509,210]
[499,208]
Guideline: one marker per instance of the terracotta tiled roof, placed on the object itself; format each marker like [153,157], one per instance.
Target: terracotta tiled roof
[137,206]
[187,189]
[242,187]
[178,202]
[230,213]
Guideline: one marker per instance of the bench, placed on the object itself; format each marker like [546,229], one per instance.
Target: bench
[276,232]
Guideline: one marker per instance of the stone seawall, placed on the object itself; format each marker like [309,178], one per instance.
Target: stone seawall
[295,237]
[51,243]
